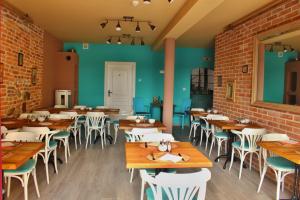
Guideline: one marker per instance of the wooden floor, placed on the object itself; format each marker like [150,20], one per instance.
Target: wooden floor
[100,174]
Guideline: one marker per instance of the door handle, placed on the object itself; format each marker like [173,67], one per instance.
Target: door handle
[109,92]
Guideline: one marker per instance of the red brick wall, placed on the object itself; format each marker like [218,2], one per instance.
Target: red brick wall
[233,49]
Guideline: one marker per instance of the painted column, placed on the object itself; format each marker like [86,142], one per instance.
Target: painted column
[169,83]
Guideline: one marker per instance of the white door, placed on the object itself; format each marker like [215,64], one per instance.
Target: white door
[119,85]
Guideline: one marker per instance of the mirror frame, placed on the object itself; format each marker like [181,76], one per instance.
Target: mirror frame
[260,39]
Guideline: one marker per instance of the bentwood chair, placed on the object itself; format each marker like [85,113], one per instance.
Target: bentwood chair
[281,166]
[23,172]
[75,128]
[44,134]
[195,122]
[62,136]
[246,144]
[218,136]
[95,121]
[175,186]
[140,108]
[183,111]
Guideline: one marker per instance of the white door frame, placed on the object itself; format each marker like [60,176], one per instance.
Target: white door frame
[107,64]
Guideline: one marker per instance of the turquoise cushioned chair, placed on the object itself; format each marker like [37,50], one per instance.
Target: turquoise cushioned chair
[140,108]
[183,111]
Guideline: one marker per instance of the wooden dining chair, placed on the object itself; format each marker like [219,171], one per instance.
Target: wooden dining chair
[175,186]
[281,166]
[23,172]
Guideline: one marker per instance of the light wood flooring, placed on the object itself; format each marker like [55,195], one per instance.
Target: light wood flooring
[100,174]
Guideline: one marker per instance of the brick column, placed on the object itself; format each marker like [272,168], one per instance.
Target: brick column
[169,83]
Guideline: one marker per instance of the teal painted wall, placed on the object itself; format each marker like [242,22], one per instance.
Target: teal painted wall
[274,74]
[149,81]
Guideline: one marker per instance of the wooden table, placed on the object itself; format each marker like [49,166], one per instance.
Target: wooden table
[290,152]
[15,156]
[107,111]
[14,123]
[136,157]
[130,124]
[198,113]
[228,125]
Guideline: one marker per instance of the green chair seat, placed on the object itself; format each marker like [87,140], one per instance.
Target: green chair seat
[222,135]
[150,195]
[152,171]
[52,143]
[237,144]
[195,122]
[281,163]
[62,134]
[116,122]
[27,167]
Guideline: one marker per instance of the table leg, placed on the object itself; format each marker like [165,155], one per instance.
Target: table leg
[3,190]
[296,194]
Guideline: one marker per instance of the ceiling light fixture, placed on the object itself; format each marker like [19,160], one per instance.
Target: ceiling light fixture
[152,27]
[142,42]
[103,24]
[137,29]
[135,3]
[108,41]
[170,1]
[119,41]
[147,2]
[118,27]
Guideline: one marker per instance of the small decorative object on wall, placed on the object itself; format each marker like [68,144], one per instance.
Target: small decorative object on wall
[245,69]
[33,76]
[1,72]
[219,81]
[20,58]
[230,90]
[85,45]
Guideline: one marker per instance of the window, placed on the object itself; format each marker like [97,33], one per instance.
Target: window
[202,81]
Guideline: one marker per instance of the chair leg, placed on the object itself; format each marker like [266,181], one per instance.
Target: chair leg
[69,153]
[25,181]
[201,137]
[262,177]
[241,164]
[87,140]
[74,134]
[207,137]
[46,167]
[192,126]
[79,136]
[116,133]
[195,129]
[182,122]
[219,143]
[250,164]
[142,189]
[8,186]
[278,178]
[55,161]
[211,145]
[131,175]
[35,182]
[232,158]
[66,151]
[282,184]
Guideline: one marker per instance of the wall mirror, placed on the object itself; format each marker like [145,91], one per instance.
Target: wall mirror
[276,69]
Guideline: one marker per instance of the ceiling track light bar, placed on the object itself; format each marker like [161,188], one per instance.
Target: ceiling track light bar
[125,36]
[129,19]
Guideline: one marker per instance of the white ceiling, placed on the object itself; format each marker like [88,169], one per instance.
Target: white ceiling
[80,20]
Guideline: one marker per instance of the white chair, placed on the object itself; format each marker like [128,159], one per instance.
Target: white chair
[175,186]
[246,144]
[157,137]
[23,172]
[101,107]
[60,106]
[205,129]
[75,128]
[44,134]
[62,136]
[281,166]
[136,134]
[80,107]
[4,131]
[218,135]
[45,113]
[134,117]
[95,121]
[195,121]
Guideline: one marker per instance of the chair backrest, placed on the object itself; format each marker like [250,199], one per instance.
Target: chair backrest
[42,133]
[186,105]
[157,137]
[59,116]
[45,113]
[79,107]
[134,117]
[3,131]
[95,119]
[138,104]
[60,106]
[217,117]
[250,136]
[178,186]
[137,133]
[274,137]
[21,136]
[198,110]
[72,114]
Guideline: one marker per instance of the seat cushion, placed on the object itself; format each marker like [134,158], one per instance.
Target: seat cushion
[62,134]
[221,135]
[52,144]
[280,163]
[195,122]
[150,196]
[152,171]
[237,144]
[27,167]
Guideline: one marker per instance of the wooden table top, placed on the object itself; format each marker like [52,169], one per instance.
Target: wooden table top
[198,113]
[136,156]
[130,124]
[286,150]
[15,156]
[232,125]
[108,111]
[14,123]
